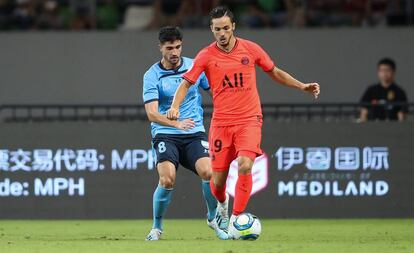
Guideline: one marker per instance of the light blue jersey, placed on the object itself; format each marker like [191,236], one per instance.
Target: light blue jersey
[160,84]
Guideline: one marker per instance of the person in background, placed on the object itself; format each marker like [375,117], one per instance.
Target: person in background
[108,15]
[384,100]
[265,13]
[168,13]
[49,17]
[84,17]
[24,15]
[6,11]
[271,13]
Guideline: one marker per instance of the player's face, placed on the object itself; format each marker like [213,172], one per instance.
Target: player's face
[222,29]
[386,74]
[171,51]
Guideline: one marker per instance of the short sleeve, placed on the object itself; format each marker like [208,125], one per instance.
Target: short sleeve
[197,68]
[204,82]
[262,58]
[150,89]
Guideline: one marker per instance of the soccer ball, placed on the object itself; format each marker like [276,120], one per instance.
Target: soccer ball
[246,226]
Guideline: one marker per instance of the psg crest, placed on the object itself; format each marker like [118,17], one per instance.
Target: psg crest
[245,60]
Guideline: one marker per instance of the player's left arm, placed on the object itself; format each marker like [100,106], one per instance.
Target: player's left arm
[286,79]
[280,76]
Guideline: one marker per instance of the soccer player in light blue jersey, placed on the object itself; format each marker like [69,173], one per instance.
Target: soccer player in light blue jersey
[181,141]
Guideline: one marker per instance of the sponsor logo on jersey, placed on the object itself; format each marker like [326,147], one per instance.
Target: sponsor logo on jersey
[235,83]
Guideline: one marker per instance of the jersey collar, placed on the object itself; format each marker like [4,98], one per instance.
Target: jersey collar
[175,70]
[229,52]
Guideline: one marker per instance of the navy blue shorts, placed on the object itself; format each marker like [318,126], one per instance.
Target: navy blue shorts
[184,149]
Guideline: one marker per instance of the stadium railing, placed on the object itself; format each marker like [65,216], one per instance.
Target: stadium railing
[320,112]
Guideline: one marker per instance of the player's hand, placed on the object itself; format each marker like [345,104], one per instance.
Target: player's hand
[312,88]
[186,124]
[173,114]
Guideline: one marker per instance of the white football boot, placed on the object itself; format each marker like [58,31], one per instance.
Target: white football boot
[154,235]
[222,216]
[221,234]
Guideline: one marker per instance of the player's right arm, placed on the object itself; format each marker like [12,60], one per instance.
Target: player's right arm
[189,79]
[151,98]
[153,115]
[174,113]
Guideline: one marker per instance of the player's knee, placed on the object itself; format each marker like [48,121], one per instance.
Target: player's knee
[167,182]
[205,174]
[203,168]
[245,166]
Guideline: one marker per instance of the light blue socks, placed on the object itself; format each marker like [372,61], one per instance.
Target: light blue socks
[162,198]
[210,200]
[160,202]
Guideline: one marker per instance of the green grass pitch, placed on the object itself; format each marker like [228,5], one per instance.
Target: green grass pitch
[115,236]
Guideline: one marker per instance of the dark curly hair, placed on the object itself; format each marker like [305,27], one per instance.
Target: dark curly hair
[169,34]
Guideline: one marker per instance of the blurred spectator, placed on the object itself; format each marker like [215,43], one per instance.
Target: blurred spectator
[325,13]
[108,15]
[49,17]
[24,14]
[385,100]
[360,12]
[398,12]
[376,12]
[6,11]
[84,18]
[152,14]
[296,10]
[275,13]
[265,13]
[168,12]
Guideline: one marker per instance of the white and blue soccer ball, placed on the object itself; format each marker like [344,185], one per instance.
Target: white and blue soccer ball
[246,226]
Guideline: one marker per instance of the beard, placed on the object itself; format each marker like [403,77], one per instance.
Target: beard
[224,42]
[174,60]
